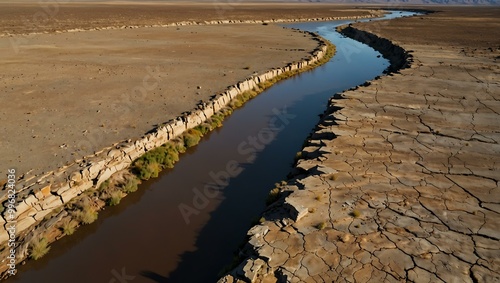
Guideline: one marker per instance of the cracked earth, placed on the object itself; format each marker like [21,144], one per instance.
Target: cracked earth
[399,182]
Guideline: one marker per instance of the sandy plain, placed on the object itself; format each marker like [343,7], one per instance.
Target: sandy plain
[65,95]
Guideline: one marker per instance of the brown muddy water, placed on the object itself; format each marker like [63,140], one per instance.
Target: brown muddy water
[186,225]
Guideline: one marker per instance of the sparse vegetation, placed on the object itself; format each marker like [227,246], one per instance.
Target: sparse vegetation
[321,226]
[67,227]
[104,185]
[38,247]
[332,177]
[356,213]
[273,196]
[115,198]
[191,138]
[131,186]
[85,212]
[298,155]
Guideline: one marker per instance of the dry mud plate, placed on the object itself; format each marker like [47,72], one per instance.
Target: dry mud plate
[408,190]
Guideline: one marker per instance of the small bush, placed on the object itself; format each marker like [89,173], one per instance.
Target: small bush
[204,128]
[115,198]
[321,226]
[38,248]
[356,213]
[179,145]
[131,186]
[216,120]
[191,140]
[273,196]
[104,185]
[226,111]
[298,155]
[86,214]
[66,227]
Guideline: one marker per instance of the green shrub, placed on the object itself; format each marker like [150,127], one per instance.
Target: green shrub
[226,111]
[104,185]
[131,186]
[179,145]
[298,155]
[191,140]
[115,198]
[356,213]
[204,128]
[321,226]
[66,227]
[86,213]
[216,121]
[38,248]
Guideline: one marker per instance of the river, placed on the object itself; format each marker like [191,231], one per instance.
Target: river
[146,238]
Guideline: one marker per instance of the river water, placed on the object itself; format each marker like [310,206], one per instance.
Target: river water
[186,225]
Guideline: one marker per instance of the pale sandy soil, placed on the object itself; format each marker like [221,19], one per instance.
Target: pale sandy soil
[67,95]
[48,16]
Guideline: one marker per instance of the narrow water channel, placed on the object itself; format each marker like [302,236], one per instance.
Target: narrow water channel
[146,238]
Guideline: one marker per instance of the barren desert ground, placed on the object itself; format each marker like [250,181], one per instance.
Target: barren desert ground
[408,190]
[67,95]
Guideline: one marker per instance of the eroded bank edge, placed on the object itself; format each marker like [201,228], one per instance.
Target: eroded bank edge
[53,205]
[285,207]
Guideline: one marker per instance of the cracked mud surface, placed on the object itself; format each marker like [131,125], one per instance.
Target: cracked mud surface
[409,188]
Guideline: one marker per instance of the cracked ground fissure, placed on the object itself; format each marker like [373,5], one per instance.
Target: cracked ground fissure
[408,190]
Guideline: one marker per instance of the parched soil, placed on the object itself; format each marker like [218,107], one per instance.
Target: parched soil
[50,16]
[409,188]
[66,95]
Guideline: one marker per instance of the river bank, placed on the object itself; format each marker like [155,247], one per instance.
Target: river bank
[399,181]
[42,200]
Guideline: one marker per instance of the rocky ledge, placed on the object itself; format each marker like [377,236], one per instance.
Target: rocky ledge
[40,204]
[398,182]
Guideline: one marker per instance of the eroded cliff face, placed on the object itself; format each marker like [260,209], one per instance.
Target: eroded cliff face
[398,182]
[41,202]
